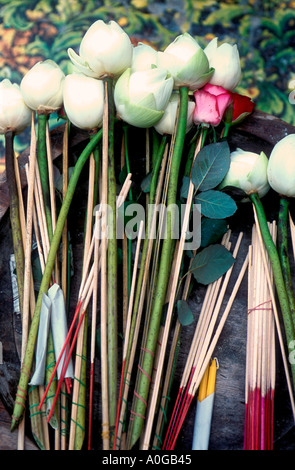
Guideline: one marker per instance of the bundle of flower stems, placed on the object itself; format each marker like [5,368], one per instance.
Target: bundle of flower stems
[183,99]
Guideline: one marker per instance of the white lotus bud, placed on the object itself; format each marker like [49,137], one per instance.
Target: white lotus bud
[15,115]
[83,99]
[144,57]
[225,60]
[42,87]
[105,49]
[281,167]
[141,97]
[186,62]
[166,125]
[248,172]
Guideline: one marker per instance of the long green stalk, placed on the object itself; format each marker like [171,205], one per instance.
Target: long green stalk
[43,168]
[81,413]
[284,252]
[29,354]
[152,195]
[146,367]
[14,215]
[277,272]
[112,270]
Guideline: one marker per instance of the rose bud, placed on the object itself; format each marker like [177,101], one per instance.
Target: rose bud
[211,103]
[239,109]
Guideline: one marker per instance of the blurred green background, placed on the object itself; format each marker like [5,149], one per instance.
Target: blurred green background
[264,31]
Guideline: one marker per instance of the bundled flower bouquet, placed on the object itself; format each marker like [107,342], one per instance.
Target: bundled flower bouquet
[145,242]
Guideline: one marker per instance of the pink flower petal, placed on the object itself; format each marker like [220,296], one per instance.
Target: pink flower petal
[214,89]
[206,109]
[223,101]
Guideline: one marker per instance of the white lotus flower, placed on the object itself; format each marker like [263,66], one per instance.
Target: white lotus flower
[281,167]
[42,87]
[141,97]
[166,125]
[84,101]
[225,60]
[186,62]
[15,115]
[248,172]
[144,57]
[105,49]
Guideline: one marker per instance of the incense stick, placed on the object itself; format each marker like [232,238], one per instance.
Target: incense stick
[260,369]
[199,357]
[176,271]
[27,261]
[127,329]
[277,322]
[93,327]
[81,336]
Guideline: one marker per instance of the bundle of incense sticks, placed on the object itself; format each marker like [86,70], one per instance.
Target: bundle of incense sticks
[207,333]
[260,357]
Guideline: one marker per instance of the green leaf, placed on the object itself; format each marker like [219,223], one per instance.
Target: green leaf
[216,204]
[185,315]
[184,187]
[211,166]
[212,230]
[211,263]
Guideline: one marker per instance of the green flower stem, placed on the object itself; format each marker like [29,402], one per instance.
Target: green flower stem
[29,354]
[50,364]
[14,215]
[139,286]
[125,130]
[283,252]
[43,168]
[81,412]
[112,326]
[162,282]
[277,272]
[155,146]
[227,127]
[152,195]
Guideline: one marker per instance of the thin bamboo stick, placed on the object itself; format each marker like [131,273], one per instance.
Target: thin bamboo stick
[135,333]
[277,322]
[151,411]
[27,267]
[80,339]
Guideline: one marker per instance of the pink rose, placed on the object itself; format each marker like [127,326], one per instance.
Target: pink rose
[211,103]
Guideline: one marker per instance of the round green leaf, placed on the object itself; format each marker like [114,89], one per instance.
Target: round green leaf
[185,315]
[211,165]
[211,263]
[216,204]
